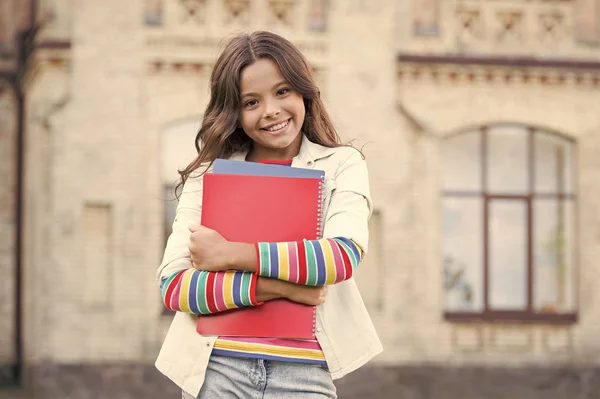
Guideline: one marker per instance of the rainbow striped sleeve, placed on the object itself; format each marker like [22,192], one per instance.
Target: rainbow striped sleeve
[309,262]
[202,292]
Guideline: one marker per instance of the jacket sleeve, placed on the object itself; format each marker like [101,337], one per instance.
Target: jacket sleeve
[350,205]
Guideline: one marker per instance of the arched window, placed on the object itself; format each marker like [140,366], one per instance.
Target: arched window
[509,224]
[177,151]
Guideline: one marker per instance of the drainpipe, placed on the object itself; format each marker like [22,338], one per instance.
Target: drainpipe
[24,48]
[18,367]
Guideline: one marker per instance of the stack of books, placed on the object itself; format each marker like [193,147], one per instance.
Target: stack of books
[253,202]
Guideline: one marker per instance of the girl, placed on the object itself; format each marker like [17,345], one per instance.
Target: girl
[265,107]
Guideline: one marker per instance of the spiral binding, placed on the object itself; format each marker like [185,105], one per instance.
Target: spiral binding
[320,209]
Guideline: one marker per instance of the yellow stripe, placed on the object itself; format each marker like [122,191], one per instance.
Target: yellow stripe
[228,290]
[184,291]
[359,248]
[284,264]
[329,261]
[269,350]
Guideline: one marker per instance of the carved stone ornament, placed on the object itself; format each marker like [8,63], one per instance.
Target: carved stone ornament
[193,10]
[470,22]
[511,25]
[282,10]
[552,25]
[237,10]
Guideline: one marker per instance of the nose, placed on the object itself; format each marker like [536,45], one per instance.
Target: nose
[272,109]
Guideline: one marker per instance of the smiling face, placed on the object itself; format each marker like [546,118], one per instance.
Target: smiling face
[272,112]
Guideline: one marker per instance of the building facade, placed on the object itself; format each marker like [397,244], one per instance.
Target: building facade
[479,120]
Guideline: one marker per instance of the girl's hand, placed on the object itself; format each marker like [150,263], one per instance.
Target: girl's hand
[307,295]
[208,249]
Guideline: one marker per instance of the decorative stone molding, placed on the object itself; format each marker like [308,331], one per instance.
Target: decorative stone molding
[44,61]
[237,10]
[511,26]
[282,10]
[162,67]
[553,26]
[193,10]
[469,23]
[500,74]
[505,27]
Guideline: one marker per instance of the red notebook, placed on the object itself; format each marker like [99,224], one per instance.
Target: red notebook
[247,208]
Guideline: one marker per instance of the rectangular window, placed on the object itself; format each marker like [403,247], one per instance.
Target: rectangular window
[508,225]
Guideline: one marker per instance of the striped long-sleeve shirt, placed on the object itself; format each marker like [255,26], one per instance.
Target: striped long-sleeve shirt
[307,262]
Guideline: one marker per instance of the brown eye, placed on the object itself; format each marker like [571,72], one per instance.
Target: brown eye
[282,92]
[250,103]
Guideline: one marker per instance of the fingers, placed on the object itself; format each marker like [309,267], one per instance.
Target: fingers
[193,229]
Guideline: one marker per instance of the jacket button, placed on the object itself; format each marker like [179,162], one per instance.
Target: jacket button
[208,344]
[319,329]
[310,163]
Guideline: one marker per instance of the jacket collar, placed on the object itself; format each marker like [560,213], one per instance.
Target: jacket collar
[309,152]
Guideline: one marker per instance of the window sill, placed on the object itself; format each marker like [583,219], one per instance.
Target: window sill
[513,317]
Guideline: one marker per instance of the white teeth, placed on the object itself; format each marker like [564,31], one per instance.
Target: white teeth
[277,127]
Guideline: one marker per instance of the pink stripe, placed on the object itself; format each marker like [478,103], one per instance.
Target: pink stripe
[287,343]
[340,270]
[175,295]
[219,300]
[293,261]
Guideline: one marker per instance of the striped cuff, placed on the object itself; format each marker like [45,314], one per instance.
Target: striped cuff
[202,292]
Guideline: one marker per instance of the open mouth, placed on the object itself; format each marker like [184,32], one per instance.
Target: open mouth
[278,127]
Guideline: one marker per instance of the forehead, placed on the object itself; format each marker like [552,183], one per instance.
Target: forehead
[259,76]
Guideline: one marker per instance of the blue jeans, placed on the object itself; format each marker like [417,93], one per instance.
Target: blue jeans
[230,377]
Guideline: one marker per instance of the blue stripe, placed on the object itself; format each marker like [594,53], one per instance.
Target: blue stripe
[224,352]
[193,298]
[237,292]
[320,258]
[352,246]
[274,256]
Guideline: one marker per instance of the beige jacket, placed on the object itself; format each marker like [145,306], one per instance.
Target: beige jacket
[344,328]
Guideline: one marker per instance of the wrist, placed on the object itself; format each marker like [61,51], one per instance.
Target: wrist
[268,289]
[241,256]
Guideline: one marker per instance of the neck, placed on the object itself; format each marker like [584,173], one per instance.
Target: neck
[259,153]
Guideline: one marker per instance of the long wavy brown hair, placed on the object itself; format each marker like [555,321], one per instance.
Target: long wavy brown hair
[220,135]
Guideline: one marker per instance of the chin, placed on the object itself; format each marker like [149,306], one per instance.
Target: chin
[279,142]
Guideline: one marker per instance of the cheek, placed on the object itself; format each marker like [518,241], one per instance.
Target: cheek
[246,120]
[298,107]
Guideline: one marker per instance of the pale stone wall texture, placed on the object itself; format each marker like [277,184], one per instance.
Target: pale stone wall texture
[98,114]
[8,223]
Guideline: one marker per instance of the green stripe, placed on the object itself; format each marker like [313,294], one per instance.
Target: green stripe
[350,253]
[265,259]
[167,282]
[245,288]
[201,292]
[311,264]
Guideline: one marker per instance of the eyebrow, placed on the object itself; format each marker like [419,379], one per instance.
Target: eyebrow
[274,86]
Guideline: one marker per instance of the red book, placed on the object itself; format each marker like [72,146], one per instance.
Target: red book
[247,208]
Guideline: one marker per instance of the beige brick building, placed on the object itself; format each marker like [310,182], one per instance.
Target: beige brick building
[479,120]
